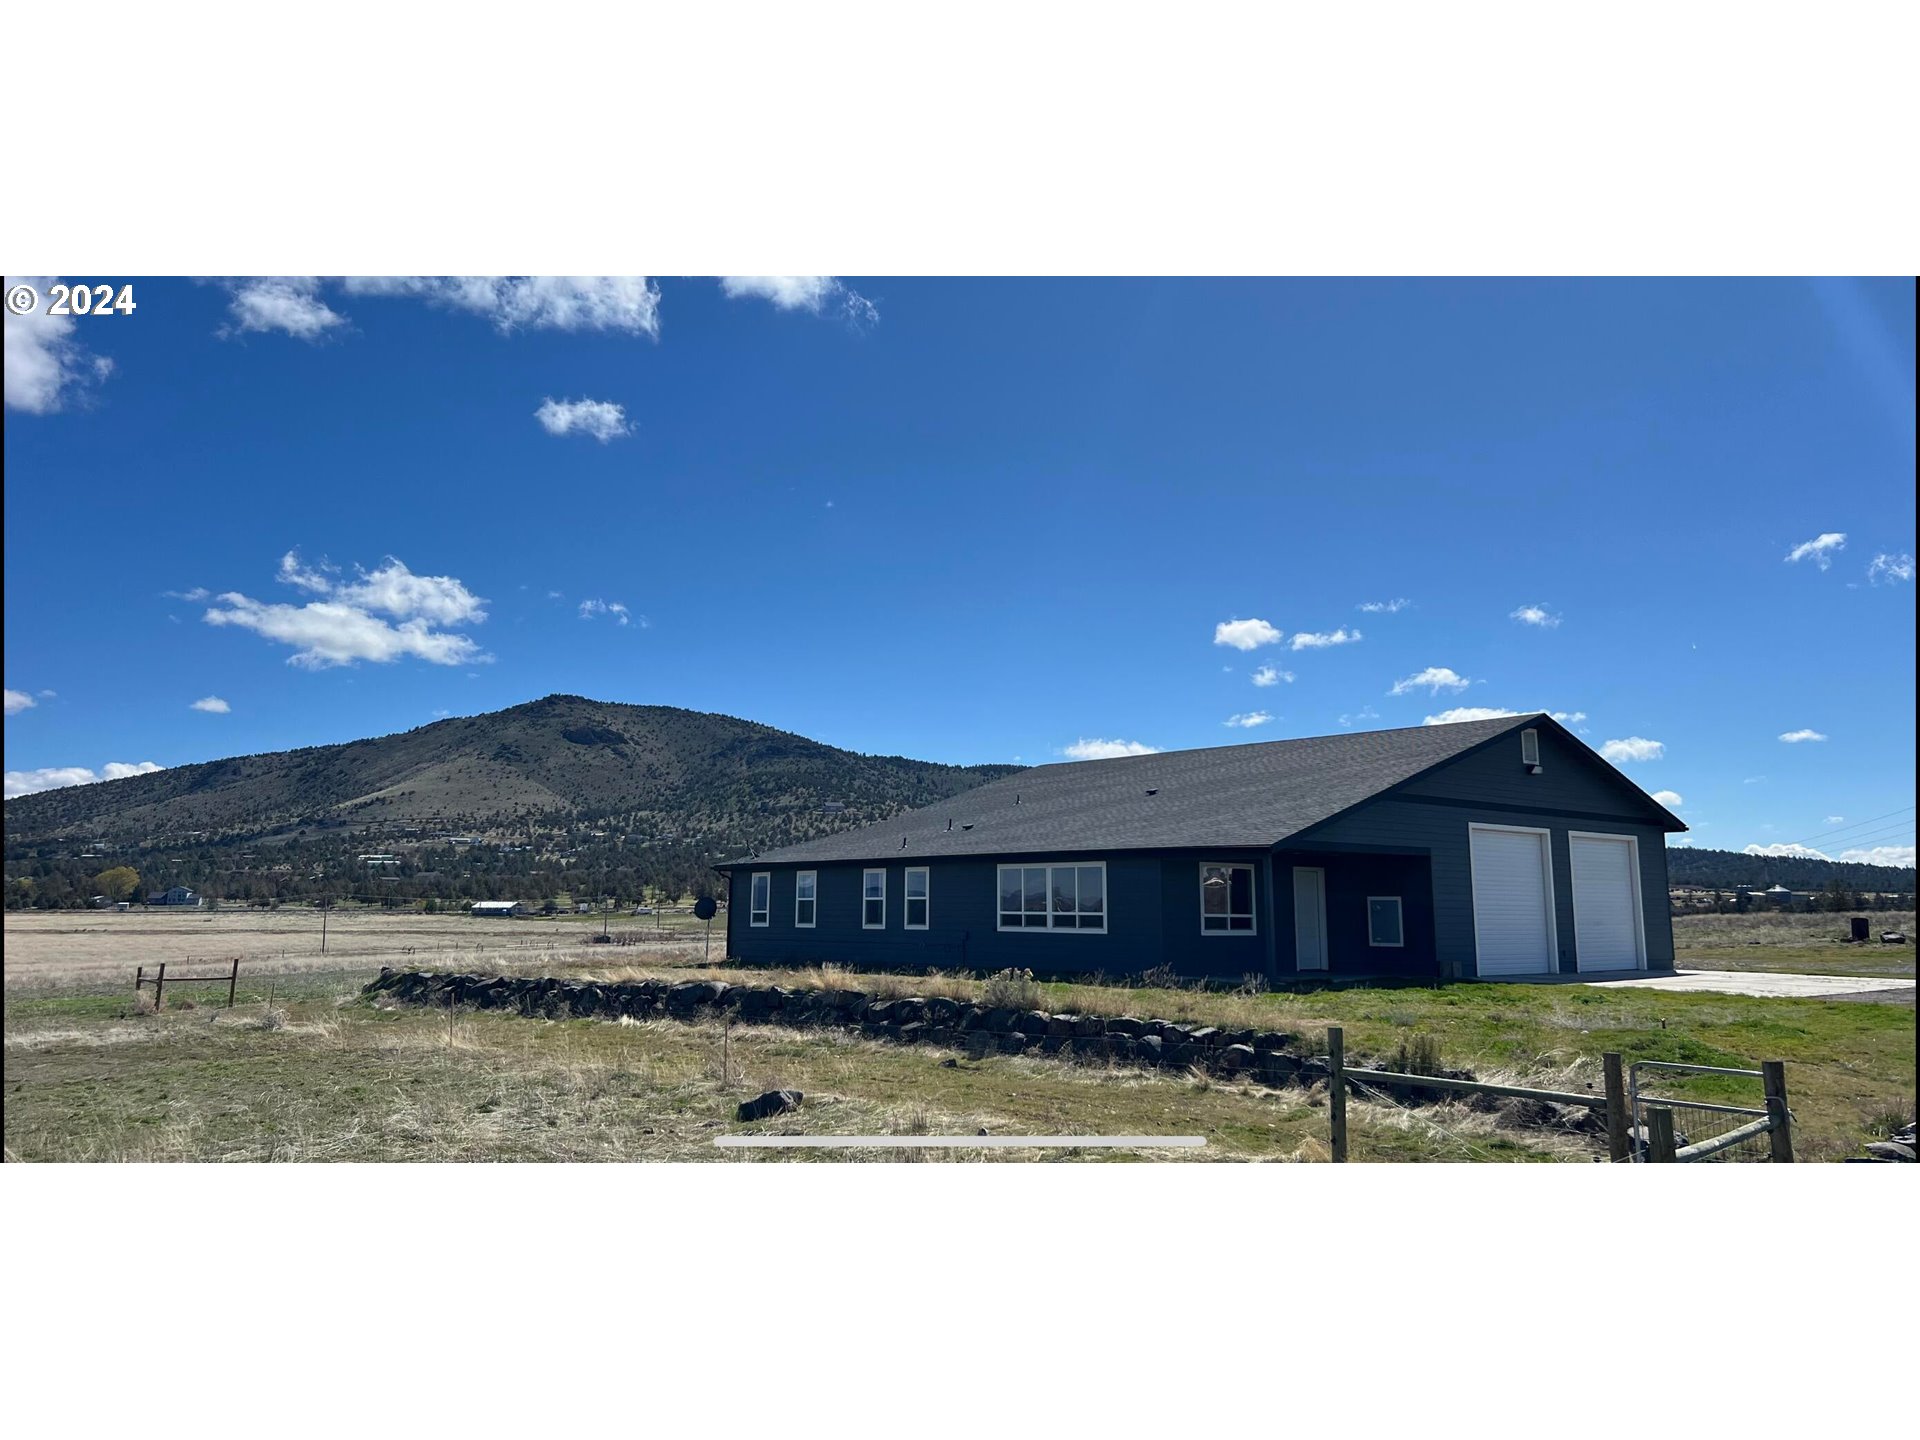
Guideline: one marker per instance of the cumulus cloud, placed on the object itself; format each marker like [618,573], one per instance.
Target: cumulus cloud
[1900,855]
[1801,737]
[602,419]
[1249,720]
[592,608]
[58,777]
[1245,634]
[45,366]
[1796,852]
[815,294]
[1433,680]
[1631,749]
[212,705]
[1536,615]
[1820,549]
[346,623]
[1495,712]
[1342,636]
[629,303]
[290,304]
[1268,675]
[1836,819]
[1672,799]
[1106,749]
[1384,607]
[18,700]
[1890,569]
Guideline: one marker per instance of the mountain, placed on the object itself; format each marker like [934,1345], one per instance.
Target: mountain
[1730,869]
[555,775]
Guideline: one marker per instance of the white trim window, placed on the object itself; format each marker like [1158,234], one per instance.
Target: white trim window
[1530,750]
[760,897]
[1226,899]
[1054,897]
[806,898]
[919,898]
[1386,922]
[873,899]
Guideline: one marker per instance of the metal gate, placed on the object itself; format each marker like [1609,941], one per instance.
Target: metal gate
[1702,1130]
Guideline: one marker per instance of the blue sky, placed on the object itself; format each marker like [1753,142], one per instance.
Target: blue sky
[984,520]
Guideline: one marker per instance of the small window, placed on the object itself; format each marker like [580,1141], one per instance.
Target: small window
[917,898]
[1384,927]
[760,901]
[1530,750]
[1053,897]
[873,900]
[1226,900]
[806,892]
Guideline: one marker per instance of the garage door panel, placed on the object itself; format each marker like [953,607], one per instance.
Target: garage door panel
[1512,905]
[1606,915]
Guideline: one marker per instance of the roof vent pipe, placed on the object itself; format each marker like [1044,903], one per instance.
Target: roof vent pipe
[949,822]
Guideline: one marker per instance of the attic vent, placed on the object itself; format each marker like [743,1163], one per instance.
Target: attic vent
[1153,790]
[1530,750]
[967,826]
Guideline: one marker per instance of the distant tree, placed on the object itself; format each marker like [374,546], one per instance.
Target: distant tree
[118,883]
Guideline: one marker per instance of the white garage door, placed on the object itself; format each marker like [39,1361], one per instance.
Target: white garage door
[1606,919]
[1512,914]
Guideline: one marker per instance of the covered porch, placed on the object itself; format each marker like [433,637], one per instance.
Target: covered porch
[1353,911]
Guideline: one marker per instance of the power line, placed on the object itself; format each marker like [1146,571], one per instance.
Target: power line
[1903,810]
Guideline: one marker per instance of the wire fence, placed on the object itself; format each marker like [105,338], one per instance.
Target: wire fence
[1702,1130]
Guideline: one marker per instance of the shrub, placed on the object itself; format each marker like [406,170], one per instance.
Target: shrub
[1010,990]
[1421,1057]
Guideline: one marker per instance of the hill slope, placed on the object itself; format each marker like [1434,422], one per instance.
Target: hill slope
[551,765]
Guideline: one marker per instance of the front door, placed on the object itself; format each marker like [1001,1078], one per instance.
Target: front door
[1309,917]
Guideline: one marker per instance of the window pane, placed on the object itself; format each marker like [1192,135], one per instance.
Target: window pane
[1242,889]
[805,916]
[804,885]
[1383,922]
[874,913]
[1213,922]
[1035,884]
[1213,890]
[1093,890]
[760,892]
[1240,922]
[1009,889]
[916,911]
[1063,890]
[875,884]
[916,883]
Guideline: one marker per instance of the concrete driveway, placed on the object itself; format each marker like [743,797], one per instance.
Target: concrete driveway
[1757,982]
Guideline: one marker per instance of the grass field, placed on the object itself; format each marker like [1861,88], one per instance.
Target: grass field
[304,1069]
[1803,944]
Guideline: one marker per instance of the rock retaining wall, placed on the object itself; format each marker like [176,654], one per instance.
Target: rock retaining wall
[934,1020]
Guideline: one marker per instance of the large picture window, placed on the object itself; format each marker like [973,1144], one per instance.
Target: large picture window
[1053,897]
[759,898]
[873,900]
[1226,899]
[806,898]
[918,899]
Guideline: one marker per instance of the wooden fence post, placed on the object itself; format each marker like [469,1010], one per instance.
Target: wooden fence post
[1616,1088]
[160,987]
[139,979]
[1660,1134]
[1337,1090]
[1773,1075]
[233,979]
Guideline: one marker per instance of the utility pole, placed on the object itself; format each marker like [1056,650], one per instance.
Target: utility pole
[324,907]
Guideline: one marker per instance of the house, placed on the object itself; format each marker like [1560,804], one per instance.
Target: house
[178,895]
[497,908]
[1486,848]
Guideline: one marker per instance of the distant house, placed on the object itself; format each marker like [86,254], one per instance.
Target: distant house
[1482,849]
[179,895]
[1778,895]
[496,908]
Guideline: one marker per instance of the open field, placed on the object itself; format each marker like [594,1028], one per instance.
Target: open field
[1806,944]
[321,1074]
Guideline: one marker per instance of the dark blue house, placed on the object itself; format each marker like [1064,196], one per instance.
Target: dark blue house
[1486,848]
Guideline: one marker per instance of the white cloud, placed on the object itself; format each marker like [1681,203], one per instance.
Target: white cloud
[18,700]
[29,782]
[1249,720]
[590,608]
[1632,748]
[1901,855]
[812,293]
[1384,607]
[1754,780]
[1342,636]
[1245,634]
[342,627]
[1672,799]
[1495,712]
[602,419]
[1267,675]
[1107,749]
[1890,569]
[1433,680]
[1801,737]
[1820,549]
[1365,712]
[212,705]
[629,303]
[1835,819]
[44,365]
[195,595]
[1798,852]
[288,303]
[1536,615]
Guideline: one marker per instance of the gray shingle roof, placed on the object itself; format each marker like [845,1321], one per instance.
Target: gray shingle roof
[1230,796]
